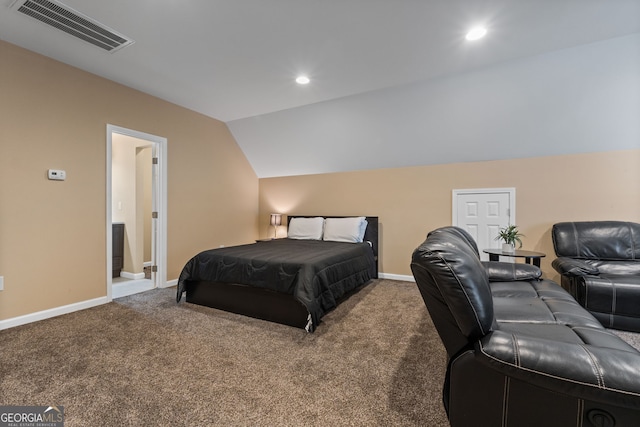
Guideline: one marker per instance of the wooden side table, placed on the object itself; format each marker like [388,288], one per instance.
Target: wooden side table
[530,257]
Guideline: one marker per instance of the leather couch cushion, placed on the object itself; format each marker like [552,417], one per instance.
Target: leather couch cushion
[530,288]
[541,301]
[606,240]
[600,337]
[509,272]
[590,370]
[549,331]
[614,294]
[521,309]
[616,267]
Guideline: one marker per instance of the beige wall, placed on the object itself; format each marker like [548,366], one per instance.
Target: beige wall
[53,234]
[412,201]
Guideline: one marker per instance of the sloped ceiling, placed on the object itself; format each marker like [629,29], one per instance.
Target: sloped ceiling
[236,61]
[576,100]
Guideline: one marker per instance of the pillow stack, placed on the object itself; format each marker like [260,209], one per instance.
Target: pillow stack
[350,230]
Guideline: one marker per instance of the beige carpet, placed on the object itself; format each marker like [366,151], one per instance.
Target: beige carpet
[145,360]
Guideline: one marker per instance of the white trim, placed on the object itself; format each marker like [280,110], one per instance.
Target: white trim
[130,287]
[169,283]
[147,263]
[53,312]
[161,202]
[401,277]
[131,276]
[512,201]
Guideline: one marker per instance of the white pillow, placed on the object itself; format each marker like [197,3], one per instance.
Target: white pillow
[306,228]
[345,229]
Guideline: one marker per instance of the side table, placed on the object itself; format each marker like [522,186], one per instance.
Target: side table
[530,257]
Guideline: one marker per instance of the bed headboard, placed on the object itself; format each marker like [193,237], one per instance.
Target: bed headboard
[370,234]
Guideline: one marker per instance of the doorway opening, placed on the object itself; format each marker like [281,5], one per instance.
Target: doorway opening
[136,212]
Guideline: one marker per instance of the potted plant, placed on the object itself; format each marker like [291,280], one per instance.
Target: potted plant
[509,236]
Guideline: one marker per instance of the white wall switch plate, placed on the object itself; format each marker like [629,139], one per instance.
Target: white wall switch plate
[1,283]
[57,174]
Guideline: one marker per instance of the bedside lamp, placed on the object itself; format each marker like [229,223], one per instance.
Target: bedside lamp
[275,221]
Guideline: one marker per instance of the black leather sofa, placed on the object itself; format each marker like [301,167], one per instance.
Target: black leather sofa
[521,351]
[599,264]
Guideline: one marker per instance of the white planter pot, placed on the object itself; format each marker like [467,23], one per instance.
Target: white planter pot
[508,247]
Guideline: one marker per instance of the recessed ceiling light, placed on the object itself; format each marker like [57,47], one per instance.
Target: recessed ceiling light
[476,33]
[302,80]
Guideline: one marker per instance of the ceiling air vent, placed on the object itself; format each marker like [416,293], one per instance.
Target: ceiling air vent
[64,18]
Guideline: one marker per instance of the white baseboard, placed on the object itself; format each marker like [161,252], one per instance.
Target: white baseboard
[132,276]
[401,277]
[147,263]
[53,312]
[169,283]
[130,287]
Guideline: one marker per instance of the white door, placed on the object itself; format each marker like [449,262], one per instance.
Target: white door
[483,212]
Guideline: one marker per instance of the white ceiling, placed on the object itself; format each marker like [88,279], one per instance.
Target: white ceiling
[236,59]
[231,59]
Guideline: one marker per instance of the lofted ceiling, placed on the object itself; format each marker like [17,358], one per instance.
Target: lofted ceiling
[235,60]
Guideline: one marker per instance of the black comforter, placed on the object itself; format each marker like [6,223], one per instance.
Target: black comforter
[317,273]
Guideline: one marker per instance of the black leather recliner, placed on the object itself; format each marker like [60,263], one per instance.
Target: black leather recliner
[521,351]
[599,264]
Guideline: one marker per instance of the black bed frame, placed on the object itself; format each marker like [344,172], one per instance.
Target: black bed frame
[264,303]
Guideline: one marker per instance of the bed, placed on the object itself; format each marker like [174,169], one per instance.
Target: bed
[292,281]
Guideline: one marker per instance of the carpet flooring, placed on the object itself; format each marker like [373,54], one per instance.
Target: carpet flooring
[145,360]
[376,360]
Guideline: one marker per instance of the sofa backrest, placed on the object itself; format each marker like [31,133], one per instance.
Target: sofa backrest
[602,240]
[460,232]
[454,286]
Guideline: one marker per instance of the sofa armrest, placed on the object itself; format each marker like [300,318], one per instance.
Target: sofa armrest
[595,373]
[508,272]
[573,267]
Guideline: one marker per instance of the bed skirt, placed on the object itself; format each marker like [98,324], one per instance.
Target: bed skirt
[259,303]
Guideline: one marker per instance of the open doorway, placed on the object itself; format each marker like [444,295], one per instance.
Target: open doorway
[136,212]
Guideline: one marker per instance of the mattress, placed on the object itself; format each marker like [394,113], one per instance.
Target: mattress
[317,273]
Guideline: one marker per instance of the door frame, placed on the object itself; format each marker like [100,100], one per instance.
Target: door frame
[159,145]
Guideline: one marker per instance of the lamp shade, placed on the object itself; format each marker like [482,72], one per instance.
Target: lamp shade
[276,219]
